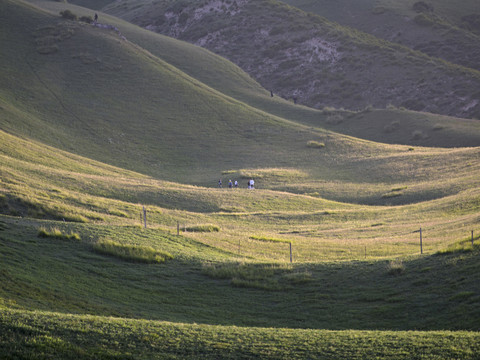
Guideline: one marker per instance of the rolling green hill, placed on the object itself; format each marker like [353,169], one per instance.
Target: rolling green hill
[60,297]
[98,124]
[89,96]
[320,63]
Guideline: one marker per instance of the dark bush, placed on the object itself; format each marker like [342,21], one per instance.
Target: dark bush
[421,7]
[86,19]
[67,14]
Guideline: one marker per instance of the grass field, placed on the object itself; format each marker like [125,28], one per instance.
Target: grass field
[69,337]
[86,144]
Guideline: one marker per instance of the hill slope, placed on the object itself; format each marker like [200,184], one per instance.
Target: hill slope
[434,28]
[98,261]
[240,270]
[88,95]
[47,306]
[391,126]
[303,56]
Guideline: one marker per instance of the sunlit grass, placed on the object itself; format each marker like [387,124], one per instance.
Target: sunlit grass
[203,228]
[319,229]
[135,253]
[57,233]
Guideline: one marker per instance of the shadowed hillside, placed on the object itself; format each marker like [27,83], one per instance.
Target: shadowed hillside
[305,57]
[439,29]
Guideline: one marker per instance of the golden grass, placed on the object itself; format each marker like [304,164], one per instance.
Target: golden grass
[134,253]
[75,189]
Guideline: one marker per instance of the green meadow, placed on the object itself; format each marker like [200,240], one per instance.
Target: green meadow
[117,243]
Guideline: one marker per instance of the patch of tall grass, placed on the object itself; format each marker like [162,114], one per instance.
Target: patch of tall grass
[267,239]
[272,277]
[272,173]
[133,253]
[315,144]
[458,247]
[203,228]
[55,232]
[395,267]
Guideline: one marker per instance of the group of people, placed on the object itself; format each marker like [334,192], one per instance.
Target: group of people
[251,184]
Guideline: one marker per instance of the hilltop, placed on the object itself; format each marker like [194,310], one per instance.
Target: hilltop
[303,56]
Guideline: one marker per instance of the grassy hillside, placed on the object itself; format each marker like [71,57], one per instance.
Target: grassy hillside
[67,188]
[68,337]
[307,57]
[97,125]
[440,29]
[248,299]
[169,124]
[247,284]
[89,96]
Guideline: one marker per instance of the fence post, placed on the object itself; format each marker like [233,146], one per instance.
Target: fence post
[472,238]
[145,217]
[291,258]
[178,227]
[421,242]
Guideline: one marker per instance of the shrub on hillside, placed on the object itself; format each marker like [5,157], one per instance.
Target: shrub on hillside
[86,19]
[315,144]
[67,14]
[421,6]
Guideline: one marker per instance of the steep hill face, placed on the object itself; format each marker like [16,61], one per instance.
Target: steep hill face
[439,29]
[308,59]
